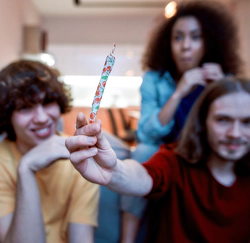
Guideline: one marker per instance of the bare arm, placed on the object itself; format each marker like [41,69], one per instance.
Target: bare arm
[130,178]
[189,79]
[209,72]
[93,157]
[5,223]
[130,226]
[27,211]
[78,232]
[20,228]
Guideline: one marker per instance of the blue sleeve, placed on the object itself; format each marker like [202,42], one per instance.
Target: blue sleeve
[152,90]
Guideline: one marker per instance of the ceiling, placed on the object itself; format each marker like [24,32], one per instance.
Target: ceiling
[102,7]
[98,7]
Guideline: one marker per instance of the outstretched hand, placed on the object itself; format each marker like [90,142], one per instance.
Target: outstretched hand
[90,152]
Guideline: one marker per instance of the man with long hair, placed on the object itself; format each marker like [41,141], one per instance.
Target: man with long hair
[203,181]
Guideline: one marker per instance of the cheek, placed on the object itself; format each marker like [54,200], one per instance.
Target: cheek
[199,49]
[213,131]
[210,137]
[19,121]
[174,51]
[216,134]
[54,112]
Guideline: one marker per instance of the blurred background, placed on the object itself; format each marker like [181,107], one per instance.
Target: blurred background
[75,36]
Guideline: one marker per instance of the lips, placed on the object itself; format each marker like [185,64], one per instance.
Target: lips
[42,132]
[233,145]
[187,59]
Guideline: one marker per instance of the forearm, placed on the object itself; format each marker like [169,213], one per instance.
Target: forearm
[27,225]
[130,225]
[80,232]
[168,110]
[130,178]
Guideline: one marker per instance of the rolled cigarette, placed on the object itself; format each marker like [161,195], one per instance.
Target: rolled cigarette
[107,68]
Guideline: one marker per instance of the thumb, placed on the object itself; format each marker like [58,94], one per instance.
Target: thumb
[80,120]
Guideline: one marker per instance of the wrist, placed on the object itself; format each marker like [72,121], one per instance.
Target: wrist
[24,169]
[176,96]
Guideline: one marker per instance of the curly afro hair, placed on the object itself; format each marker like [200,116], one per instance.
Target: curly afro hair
[21,82]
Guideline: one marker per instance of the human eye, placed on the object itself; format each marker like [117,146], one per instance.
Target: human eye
[222,119]
[48,105]
[23,107]
[178,37]
[246,121]
[196,36]
[47,101]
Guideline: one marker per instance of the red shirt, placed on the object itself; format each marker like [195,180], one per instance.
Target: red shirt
[192,206]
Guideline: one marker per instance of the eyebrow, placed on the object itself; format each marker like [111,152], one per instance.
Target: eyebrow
[178,31]
[230,117]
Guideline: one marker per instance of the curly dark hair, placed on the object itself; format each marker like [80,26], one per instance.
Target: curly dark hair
[218,30]
[21,82]
[193,144]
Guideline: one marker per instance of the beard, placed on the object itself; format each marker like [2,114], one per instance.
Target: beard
[225,153]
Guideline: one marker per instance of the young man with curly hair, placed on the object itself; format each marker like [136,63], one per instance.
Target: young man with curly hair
[42,197]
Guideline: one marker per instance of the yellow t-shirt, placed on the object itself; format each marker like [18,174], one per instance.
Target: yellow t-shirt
[65,196]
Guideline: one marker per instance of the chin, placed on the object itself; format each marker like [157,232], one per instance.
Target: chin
[232,157]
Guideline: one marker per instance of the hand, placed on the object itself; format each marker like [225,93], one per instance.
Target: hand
[90,152]
[212,71]
[188,80]
[42,155]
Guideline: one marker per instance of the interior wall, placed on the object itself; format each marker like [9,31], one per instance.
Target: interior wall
[98,29]
[14,15]
[132,30]
[81,44]
[88,59]
[242,10]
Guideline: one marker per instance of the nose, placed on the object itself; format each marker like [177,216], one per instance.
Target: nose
[40,115]
[234,131]
[186,43]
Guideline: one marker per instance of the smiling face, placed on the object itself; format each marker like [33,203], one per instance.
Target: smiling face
[228,126]
[187,44]
[34,124]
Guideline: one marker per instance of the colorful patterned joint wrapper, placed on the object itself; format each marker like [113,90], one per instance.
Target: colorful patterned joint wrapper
[107,68]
